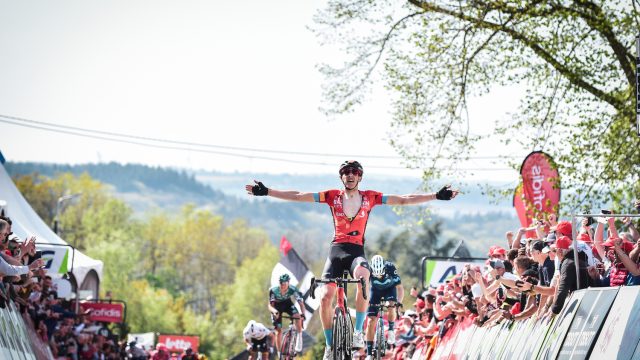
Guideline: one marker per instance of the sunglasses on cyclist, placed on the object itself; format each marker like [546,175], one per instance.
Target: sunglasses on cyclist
[353,171]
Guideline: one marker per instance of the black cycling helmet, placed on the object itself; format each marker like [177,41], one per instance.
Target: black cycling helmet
[284,278]
[350,164]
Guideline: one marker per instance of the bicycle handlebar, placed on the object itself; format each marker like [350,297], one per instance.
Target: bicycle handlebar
[338,281]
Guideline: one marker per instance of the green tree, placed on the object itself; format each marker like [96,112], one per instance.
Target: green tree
[408,248]
[244,299]
[191,272]
[575,58]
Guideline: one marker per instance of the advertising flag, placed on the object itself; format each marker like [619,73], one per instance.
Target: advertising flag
[291,263]
[538,194]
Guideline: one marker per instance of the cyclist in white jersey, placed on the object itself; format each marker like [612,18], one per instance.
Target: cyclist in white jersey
[256,337]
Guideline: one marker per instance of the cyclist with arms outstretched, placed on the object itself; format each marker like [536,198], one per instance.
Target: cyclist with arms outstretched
[281,300]
[350,208]
[256,336]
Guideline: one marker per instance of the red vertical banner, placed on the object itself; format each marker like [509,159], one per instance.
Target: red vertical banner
[538,194]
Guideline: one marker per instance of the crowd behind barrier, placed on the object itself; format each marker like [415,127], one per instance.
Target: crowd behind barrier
[35,323]
[526,296]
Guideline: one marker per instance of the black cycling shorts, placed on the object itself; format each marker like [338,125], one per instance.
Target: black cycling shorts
[344,257]
[287,307]
[377,296]
[259,345]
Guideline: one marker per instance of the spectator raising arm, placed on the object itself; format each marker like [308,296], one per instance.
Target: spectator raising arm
[631,266]
[598,240]
[612,228]
[516,241]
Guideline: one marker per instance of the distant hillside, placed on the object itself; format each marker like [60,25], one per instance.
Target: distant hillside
[471,217]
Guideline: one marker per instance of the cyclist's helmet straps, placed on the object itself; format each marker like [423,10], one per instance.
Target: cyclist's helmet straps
[377,265]
[350,164]
[284,278]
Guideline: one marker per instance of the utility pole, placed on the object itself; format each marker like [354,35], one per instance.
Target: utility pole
[638,85]
[59,204]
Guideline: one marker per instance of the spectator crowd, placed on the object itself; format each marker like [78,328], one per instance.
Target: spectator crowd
[69,335]
[530,275]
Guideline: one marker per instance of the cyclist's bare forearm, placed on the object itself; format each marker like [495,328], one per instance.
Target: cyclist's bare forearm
[291,195]
[409,199]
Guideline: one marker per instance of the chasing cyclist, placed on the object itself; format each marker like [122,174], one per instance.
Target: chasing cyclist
[350,208]
[256,337]
[385,285]
[280,301]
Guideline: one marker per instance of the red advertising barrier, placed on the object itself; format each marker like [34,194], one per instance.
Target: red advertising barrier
[539,192]
[179,342]
[104,312]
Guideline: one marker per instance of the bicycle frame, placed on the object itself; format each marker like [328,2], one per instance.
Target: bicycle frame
[341,315]
[380,341]
[289,339]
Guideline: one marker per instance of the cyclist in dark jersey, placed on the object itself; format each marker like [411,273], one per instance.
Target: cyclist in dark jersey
[385,286]
[281,300]
[350,208]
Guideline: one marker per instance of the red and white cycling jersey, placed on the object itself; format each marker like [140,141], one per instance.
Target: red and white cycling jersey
[350,230]
[255,330]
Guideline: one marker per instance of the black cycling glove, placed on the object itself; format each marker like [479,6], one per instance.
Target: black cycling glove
[444,194]
[259,189]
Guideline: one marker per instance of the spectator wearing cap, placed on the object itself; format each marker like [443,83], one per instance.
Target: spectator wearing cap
[622,248]
[161,352]
[498,253]
[540,254]
[616,272]
[568,280]
[563,228]
[621,270]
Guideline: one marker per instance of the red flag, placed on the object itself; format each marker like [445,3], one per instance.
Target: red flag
[539,192]
[285,245]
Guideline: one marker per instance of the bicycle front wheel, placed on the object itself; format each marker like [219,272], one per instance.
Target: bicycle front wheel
[291,345]
[284,347]
[340,345]
[380,345]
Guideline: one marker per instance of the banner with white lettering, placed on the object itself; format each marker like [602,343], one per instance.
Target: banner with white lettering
[113,313]
[539,191]
[436,272]
[179,342]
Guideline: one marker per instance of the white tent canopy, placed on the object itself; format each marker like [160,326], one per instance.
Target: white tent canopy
[26,222]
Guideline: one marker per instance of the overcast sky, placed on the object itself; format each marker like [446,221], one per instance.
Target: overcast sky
[227,73]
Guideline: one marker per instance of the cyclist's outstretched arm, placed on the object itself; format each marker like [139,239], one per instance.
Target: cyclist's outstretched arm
[411,199]
[259,189]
